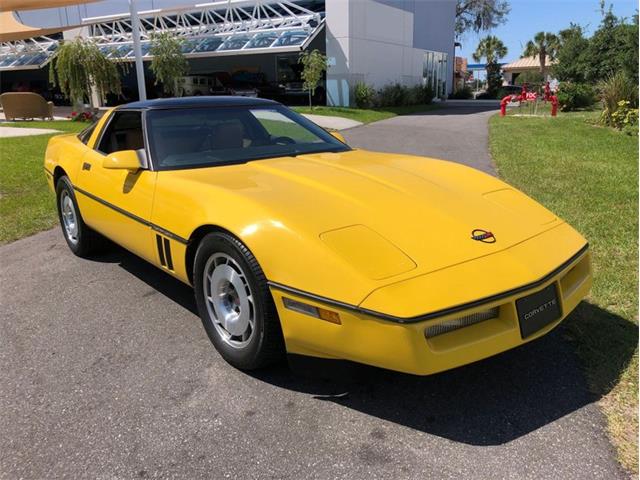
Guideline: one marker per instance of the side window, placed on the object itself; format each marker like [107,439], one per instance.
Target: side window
[124,132]
[85,134]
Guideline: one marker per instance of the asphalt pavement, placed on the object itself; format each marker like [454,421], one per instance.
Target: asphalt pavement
[456,132]
[106,373]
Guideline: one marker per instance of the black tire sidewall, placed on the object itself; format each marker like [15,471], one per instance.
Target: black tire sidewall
[79,248]
[252,355]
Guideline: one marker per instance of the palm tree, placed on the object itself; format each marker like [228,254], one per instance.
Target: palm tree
[544,45]
[492,49]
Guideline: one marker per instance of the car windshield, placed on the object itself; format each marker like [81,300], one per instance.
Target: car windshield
[205,137]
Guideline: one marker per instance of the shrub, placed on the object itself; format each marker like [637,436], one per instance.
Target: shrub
[364,95]
[613,90]
[83,117]
[396,95]
[572,96]
[420,95]
[429,93]
[393,95]
[464,93]
[624,118]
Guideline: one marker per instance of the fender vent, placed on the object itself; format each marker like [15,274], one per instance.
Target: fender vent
[164,252]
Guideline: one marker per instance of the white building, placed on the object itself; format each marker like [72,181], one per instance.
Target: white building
[375,41]
[388,41]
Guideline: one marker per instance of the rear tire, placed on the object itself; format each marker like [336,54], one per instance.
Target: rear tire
[235,304]
[81,239]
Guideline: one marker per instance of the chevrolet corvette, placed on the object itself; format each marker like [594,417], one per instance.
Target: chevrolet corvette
[296,243]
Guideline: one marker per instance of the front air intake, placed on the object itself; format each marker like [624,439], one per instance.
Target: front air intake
[456,323]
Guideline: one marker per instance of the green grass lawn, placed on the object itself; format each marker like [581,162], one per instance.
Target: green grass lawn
[589,176]
[62,125]
[364,115]
[26,204]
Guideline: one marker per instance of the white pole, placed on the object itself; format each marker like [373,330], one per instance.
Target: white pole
[135,33]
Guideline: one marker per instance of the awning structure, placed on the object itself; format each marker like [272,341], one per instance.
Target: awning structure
[11,30]
[526,64]
[24,47]
[230,27]
[14,5]
[27,55]
[214,29]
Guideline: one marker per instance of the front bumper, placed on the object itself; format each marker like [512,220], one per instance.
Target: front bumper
[404,347]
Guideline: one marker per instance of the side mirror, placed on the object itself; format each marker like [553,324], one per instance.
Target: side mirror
[122,160]
[338,135]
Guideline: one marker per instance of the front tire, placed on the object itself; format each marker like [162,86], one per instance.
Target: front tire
[235,304]
[82,240]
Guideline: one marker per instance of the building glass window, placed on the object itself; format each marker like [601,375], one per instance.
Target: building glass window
[435,72]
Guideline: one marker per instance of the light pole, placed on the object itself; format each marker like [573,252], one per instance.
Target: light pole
[455,65]
[137,51]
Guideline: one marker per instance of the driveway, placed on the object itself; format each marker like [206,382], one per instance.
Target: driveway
[457,132]
[106,372]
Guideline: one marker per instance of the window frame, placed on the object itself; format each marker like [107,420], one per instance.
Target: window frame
[90,129]
[145,163]
[157,168]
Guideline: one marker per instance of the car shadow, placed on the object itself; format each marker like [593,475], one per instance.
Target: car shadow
[490,402]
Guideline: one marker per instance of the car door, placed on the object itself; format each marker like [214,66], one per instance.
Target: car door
[117,202]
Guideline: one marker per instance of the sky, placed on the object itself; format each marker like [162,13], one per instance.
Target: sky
[528,17]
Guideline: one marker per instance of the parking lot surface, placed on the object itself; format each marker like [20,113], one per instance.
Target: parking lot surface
[107,373]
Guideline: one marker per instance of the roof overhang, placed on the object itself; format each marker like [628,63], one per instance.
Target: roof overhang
[13,5]
[11,30]
[221,28]
[526,64]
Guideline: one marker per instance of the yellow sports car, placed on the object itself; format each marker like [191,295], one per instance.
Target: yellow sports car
[294,242]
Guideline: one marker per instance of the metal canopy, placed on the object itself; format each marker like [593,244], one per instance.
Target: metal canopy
[214,29]
[231,27]
[30,54]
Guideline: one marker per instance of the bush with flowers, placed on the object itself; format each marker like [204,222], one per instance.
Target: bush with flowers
[624,118]
[83,116]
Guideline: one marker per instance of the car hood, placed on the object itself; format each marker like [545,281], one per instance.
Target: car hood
[386,214]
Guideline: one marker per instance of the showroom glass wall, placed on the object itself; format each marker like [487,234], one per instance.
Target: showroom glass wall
[435,72]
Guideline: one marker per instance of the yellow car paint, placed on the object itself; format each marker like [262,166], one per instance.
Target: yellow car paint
[301,218]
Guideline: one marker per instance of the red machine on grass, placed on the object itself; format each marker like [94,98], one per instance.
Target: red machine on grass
[531,99]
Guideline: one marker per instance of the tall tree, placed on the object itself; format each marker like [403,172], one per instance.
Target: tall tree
[572,55]
[492,49]
[480,15]
[314,65]
[544,45]
[79,66]
[613,47]
[168,63]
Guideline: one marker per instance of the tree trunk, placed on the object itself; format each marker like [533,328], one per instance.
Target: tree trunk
[310,104]
[78,105]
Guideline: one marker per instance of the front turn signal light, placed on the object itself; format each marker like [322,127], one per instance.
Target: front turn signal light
[312,311]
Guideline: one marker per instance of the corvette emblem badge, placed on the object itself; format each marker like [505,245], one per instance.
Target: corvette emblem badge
[483,236]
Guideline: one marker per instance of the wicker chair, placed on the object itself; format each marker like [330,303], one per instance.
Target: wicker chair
[25,105]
